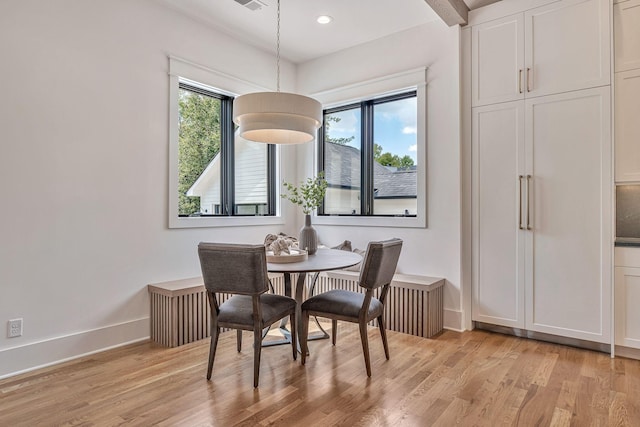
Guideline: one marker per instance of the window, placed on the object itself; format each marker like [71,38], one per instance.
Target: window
[369,156]
[216,178]
[216,170]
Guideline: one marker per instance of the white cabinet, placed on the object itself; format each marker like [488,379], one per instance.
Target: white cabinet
[559,47]
[568,155]
[627,297]
[626,18]
[627,283]
[498,221]
[498,60]
[627,125]
[626,34]
[541,214]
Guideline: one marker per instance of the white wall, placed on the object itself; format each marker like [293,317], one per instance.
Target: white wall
[84,131]
[436,250]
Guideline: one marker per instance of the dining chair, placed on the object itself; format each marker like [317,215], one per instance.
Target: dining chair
[377,271]
[241,270]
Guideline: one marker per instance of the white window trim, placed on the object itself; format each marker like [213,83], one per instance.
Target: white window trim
[225,84]
[415,79]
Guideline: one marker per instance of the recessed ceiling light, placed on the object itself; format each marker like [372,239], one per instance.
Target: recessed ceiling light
[324,19]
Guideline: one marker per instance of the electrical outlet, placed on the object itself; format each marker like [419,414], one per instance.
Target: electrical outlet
[14,328]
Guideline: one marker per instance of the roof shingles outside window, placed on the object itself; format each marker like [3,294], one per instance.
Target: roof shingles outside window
[342,170]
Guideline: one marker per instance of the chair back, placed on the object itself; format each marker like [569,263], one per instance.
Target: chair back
[380,263]
[233,268]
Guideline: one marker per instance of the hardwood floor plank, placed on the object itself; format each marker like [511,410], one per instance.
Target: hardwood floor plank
[475,378]
[561,418]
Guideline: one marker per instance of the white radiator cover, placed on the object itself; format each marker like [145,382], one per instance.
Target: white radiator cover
[415,304]
[180,316]
[180,311]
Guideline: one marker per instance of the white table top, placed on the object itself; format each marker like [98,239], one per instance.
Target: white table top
[322,260]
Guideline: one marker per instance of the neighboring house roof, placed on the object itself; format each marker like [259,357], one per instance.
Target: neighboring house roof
[209,176]
[250,177]
[402,183]
[342,170]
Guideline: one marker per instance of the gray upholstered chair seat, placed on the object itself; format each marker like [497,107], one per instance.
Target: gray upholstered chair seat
[377,271]
[241,270]
[239,309]
[342,303]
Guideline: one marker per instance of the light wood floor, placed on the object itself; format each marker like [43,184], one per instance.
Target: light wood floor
[473,378]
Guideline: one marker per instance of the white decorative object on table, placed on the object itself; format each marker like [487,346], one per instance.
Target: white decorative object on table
[293,255]
[309,196]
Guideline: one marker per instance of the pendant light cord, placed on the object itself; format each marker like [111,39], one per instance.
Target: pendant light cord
[278,51]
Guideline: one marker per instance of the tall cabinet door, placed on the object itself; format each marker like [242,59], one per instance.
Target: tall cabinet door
[498,222]
[626,33]
[567,46]
[569,158]
[497,63]
[627,125]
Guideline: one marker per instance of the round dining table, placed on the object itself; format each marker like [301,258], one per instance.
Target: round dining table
[322,260]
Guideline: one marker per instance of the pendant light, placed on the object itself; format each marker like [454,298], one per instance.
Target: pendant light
[277,117]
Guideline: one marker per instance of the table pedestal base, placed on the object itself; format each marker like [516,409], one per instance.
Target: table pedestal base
[298,297]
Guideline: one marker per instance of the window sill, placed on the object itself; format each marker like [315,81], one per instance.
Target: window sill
[371,221]
[224,221]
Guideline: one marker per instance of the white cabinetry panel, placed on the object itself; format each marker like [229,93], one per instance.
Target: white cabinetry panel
[626,24]
[541,210]
[498,58]
[627,282]
[560,214]
[627,126]
[567,46]
[568,282]
[498,161]
[559,47]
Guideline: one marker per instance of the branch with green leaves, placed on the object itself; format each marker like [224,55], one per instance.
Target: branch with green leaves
[308,195]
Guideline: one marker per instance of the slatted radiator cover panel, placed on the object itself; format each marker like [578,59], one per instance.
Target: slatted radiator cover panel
[181,319]
[408,309]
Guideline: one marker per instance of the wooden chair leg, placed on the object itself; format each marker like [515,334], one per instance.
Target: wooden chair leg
[215,333]
[257,350]
[304,330]
[383,333]
[239,339]
[294,335]
[365,347]
[334,331]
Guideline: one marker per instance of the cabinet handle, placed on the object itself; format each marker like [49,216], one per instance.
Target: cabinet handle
[520,80]
[520,226]
[528,78]
[529,202]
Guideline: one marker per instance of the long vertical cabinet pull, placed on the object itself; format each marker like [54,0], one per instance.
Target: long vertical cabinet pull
[520,178]
[520,84]
[529,202]
[528,78]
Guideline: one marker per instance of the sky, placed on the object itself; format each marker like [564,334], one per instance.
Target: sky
[394,127]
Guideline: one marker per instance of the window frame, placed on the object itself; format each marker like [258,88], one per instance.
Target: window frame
[367,109]
[372,90]
[182,71]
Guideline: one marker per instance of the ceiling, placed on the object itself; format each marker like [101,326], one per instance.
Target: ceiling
[301,37]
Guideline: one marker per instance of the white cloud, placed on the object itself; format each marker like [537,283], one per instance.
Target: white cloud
[413,147]
[347,124]
[409,130]
[404,111]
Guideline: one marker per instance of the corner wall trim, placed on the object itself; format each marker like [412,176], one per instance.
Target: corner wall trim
[28,357]
[453,320]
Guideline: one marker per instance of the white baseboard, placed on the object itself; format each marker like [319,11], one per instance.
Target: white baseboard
[453,320]
[628,352]
[27,357]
